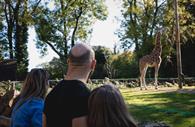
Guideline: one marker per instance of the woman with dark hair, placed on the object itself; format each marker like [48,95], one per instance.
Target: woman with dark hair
[108,109]
[27,111]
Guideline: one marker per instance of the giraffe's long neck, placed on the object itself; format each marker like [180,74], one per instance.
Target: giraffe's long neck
[157,40]
[158,46]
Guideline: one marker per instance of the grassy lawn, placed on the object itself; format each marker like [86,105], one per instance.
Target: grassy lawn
[166,105]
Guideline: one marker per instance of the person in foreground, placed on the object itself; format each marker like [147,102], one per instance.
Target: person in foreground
[108,109]
[28,110]
[67,104]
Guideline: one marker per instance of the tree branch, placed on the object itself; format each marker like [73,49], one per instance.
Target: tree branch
[6,14]
[76,25]
[155,15]
[154,18]
[68,5]
[34,9]
[54,49]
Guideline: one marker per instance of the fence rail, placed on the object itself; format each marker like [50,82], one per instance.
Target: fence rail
[53,82]
[188,79]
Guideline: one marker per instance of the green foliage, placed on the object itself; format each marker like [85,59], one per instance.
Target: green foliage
[188,60]
[102,55]
[125,65]
[1,56]
[68,22]
[21,40]
[108,65]
[1,43]
[16,16]
[186,20]
[56,68]
[143,18]
[21,51]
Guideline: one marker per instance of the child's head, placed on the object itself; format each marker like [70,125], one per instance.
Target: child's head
[35,84]
[108,109]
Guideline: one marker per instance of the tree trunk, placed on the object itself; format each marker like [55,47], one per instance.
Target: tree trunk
[178,46]
[9,35]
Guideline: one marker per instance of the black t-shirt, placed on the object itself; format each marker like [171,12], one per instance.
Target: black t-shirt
[67,100]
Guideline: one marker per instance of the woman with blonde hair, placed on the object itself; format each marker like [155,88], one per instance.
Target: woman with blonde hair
[108,109]
[28,110]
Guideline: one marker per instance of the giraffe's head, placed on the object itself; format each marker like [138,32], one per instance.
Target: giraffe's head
[158,35]
[160,31]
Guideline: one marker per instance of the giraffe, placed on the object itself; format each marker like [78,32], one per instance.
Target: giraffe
[151,60]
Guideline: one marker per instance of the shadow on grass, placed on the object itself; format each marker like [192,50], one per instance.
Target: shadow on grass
[175,109]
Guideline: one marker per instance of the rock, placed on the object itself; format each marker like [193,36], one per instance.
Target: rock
[168,84]
[153,124]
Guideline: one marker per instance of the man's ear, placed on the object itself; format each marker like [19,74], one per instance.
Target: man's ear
[68,60]
[93,64]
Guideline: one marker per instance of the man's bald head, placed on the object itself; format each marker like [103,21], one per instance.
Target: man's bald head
[81,54]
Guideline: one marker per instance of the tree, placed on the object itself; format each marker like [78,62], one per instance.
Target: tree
[1,52]
[21,40]
[69,22]
[188,60]
[188,49]
[55,68]
[16,17]
[178,45]
[8,10]
[143,18]
[102,55]
[125,65]
[2,38]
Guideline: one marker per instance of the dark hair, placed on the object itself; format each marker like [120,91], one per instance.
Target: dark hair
[35,84]
[108,109]
[80,60]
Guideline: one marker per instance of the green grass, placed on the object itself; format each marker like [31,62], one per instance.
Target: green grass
[172,108]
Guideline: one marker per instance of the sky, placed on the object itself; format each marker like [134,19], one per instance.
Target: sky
[103,34]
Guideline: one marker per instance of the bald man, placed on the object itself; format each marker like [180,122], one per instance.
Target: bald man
[66,104]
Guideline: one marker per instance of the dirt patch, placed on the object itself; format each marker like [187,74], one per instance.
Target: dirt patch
[188,91]
[161,89]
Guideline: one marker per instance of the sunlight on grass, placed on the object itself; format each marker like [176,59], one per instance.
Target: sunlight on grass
[173,108]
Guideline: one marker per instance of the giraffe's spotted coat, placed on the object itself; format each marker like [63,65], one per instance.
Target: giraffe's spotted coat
[151,60]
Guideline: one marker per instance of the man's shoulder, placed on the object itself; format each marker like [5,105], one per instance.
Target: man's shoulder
[79,87]
[70,84]
[59,85]
[57,88]
[69,87]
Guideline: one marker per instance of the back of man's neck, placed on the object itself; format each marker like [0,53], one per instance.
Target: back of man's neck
[80,78]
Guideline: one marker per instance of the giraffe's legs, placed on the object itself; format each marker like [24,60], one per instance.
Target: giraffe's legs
[144,77]
[156,76]
[141,79]
[141,76]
